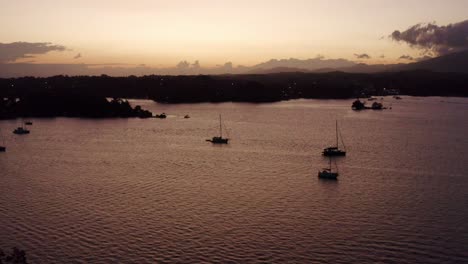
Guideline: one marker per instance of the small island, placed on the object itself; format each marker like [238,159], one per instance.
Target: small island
[360,105]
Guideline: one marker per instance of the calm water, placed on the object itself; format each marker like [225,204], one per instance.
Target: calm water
[146,191]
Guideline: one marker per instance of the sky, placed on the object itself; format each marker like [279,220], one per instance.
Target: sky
[161,33]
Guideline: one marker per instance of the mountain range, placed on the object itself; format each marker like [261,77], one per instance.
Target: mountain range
[454,62]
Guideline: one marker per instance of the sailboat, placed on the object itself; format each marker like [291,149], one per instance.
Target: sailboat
[327,173]
[21,130]
[335,151]
[220,139]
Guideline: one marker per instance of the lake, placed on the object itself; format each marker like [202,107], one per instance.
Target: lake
[154,191]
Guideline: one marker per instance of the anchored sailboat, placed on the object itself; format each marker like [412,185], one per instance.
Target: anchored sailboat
[335,151]
[327,173]
[220,139]
[21,130]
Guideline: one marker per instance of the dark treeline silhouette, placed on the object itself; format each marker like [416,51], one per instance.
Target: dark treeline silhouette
[236,88]
[52,105]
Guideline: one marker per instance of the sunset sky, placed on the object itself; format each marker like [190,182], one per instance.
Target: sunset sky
[160,33]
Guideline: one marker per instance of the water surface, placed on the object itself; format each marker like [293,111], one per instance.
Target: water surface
[152,190]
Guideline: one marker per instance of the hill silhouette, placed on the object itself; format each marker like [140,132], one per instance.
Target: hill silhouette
[257,88]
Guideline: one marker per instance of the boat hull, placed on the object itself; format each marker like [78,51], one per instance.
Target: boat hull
[333,151]
[334,154]
[219,140]
[21,132]
[328,175]
[2,149]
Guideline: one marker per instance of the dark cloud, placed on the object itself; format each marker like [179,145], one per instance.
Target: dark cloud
[406,57]
[10,52]
[423,58]
[433,38]
[77,56]
[362,56]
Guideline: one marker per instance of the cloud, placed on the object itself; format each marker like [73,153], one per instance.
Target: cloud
[319,57]
[10,52]
[406,57]
[183,65]
[228,65]
[439,40]
[77,56]
[423,58]
[362,56]
[196,65]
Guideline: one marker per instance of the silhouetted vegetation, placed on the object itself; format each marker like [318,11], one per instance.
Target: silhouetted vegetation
[83,91]
[16,256]
[41,105]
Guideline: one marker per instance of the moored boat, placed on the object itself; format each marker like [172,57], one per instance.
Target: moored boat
[219,139]
[335,150]
[328,174]
[21,131]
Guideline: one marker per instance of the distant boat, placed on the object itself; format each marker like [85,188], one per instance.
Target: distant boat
[377,106]
[162,116]
[358,105]
[335,151]
[21,131]
[327,173]
[220,139]
[28,123]
[186,116]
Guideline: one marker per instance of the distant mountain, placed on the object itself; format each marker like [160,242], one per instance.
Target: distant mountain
[276,70]
[303,65]
[369,68]
[454,62]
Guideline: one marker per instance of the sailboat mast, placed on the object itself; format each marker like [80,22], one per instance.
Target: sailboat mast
[337,133]
[220,127]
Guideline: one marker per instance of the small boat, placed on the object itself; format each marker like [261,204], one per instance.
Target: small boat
[162,116]
[358,105]
[335,151]
[328,174]
[28,123]
[220,139]
[377,106]
[397,97]
[186,116]
[21,131]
